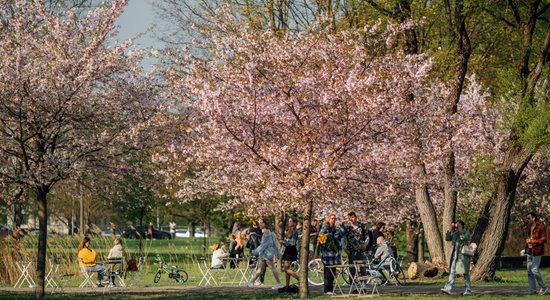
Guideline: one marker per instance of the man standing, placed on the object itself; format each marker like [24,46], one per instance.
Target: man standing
[313,233]
[535,249]
[357,238]
[172,226]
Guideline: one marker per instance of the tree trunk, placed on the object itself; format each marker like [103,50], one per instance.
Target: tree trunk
[429,219]
[449,209]
[412,241]
[422,270]
[41,194]
[18,209]
[499,209]
[278,228]
[421,247]
[304,251]
[457,23]
[193,229]
[204,239]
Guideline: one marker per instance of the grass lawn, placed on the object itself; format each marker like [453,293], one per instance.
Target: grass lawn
[181,251]
[414,289]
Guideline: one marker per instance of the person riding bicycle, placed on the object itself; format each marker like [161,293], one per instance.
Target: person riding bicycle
[382,257]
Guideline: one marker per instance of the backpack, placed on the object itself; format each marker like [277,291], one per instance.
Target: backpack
[132,265]
[254,241]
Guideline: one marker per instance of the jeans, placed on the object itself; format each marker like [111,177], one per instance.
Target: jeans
[97,268]
[533,273]
[329,279]
[452,275]
[355,257]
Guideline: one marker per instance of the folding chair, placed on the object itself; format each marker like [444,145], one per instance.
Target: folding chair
[63,282]
[24,268]
[206,272]
[87,278]
[133,275]
[117,263]
[51,276]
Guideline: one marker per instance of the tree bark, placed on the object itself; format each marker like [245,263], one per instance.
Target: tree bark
[278,227]
[420,247]
[492,226]
[41,195]
[429,218]
[499,209]
[412,241]
[459,33]
[449,208]
[304,251]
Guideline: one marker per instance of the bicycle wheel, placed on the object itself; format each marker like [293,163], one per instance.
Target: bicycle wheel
[401,276]
[181,276]
[157,276]
[315,274]
[346,275]
[295,266]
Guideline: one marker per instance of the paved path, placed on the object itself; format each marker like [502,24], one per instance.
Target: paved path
[315,290]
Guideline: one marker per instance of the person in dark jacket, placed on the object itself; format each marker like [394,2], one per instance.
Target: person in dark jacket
[536,237]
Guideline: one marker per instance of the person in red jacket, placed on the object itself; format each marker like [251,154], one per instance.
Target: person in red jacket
[535,244]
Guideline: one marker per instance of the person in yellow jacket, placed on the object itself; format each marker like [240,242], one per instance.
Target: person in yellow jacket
[87,258]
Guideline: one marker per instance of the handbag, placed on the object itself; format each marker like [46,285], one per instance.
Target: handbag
[467,251]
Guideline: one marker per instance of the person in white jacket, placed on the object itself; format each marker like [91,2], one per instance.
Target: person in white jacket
[116,253]
[218,252]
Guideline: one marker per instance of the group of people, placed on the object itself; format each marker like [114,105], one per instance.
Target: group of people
[360,244]
[88,260]
[459,236]
[328,241]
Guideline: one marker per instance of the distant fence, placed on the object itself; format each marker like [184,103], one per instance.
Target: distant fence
[519,262]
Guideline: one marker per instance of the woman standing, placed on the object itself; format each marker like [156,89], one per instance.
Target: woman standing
[460,263]
[330,246]
[291,252]
[87,260]
[266,252]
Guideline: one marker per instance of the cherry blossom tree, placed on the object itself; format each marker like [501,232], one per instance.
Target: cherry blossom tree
[68,101]
[304,120]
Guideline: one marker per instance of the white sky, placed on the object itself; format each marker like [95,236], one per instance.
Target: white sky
[137,18]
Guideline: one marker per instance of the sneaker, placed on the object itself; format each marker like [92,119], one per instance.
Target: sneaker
[446,291]
[249,284]
[543,291]
[99,285]
[329,293]
[277,286]
[257,283]
[467,293]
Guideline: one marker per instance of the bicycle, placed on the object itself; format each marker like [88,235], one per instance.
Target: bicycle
[393,274]
[315,267]
[179,275]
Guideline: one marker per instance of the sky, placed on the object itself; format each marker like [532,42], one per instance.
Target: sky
[138,17]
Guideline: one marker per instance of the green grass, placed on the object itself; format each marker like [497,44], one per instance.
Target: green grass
[244,295]
[180,252]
